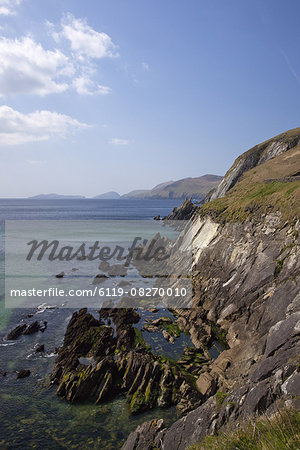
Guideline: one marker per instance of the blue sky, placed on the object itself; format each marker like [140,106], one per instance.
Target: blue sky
[102,95]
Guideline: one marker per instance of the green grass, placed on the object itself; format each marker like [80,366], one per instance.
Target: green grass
[255,194]
[282,431]
[220,397]
[139,339]
[172,329]
[244,201]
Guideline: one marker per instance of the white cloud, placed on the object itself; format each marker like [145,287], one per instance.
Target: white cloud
[34,162]
[118,142]
[145,66]
[26,67]
[86,46]
[85,86]
[103,90]
[18,128]
[7,7]
[84,40]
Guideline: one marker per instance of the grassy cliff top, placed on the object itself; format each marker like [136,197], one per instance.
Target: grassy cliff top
[268,187]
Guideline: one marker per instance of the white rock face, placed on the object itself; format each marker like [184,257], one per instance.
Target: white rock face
[198,235]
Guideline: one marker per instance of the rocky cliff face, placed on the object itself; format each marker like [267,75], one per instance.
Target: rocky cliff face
[246,280]
[254,157]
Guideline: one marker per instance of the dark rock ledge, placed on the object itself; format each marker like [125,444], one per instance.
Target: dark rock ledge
[98,362]
[24,329]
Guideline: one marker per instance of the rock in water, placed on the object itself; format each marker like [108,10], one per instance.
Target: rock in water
[34,327]
[60,275]
[23,373]
[16,332]
[122,364]
[182,212]
[40,348]
[100,278]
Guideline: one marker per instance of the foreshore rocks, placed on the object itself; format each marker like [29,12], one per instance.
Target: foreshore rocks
[98,361]
[16,332]
[23,373]
[183,212]
[40,348]
[25,329]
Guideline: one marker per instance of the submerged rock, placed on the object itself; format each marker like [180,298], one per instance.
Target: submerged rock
[34,327]
[40,348]
[60,275]
[16,332]
[100,278]
[117,270]
[23,373]
[25,329]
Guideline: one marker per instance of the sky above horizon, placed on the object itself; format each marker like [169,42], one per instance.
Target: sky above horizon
[118,95]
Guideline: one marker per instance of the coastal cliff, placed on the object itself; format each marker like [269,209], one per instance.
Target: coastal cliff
[246,291]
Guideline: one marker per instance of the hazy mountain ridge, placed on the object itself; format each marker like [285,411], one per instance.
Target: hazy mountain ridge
[197,188]
[111,195]
[56,197]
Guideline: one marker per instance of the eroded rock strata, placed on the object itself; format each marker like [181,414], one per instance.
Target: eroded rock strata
[246,288]
[246,266]
[98,361]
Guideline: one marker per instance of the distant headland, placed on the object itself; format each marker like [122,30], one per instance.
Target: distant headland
[196,188]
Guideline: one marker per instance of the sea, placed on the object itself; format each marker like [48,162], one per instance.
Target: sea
[31,414]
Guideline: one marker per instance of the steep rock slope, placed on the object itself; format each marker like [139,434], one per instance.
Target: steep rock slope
[256,156]
[246,278]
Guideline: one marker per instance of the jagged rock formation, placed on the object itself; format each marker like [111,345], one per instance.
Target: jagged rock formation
[95,363]
[183,212]
[246,279]
[34,327]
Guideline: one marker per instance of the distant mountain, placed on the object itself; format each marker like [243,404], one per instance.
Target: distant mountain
[55,197]
[111,195]
[144,193]
[196,188]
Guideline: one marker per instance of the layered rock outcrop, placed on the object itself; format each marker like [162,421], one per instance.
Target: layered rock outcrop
[98,361]
[246,288]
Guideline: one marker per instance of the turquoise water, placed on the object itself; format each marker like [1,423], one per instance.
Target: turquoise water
[31,415]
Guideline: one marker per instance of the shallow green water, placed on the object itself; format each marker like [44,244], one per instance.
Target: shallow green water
[32,416]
